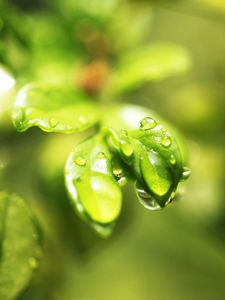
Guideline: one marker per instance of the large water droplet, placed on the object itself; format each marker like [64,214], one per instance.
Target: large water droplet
[80,161]
[186,173]
[147,123]
[146,199]
[33,263]
[172,159]
[53,122]
[126,148]
[101,155]
[166,141]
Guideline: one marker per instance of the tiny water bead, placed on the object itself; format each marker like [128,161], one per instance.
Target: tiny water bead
[147,123]
[186,173]
[53,122]
[166,141]
[126,148]
[101,155]
[146,199]
[80,161]
[172,159]
[117,172]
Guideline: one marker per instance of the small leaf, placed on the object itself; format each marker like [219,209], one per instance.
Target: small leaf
[92,186]
[151,152]
[19,246]
[152,62]
[53,109]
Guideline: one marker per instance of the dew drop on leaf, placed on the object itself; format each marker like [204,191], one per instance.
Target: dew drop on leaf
[172,159]
[166,141]
[117,172]
[186,173]
[53,122]
[146,199]
[101,155]
[127,149]
[147,123]
[80,161]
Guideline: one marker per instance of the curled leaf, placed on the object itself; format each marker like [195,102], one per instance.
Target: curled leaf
[53,109]
[92,186]
[19,246]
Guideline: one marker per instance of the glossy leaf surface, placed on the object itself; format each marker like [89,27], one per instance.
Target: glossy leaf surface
[151,152]
[92,186]
[53,109]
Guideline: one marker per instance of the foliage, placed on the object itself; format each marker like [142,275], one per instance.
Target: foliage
[76,78]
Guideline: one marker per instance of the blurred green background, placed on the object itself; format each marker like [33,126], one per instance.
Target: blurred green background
[176,253]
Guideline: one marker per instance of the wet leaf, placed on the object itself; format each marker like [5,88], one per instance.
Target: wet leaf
[91,184]
[19,246]
[53,109]
[151,152]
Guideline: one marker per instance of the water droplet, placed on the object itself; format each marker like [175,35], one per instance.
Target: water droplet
[53,122]
[186,173]
[146,199]
[172,159]
[80,161]
[117,172]
[127,148]
[147,123]
[166,141]
[101,155]
[33,263]
[124,132]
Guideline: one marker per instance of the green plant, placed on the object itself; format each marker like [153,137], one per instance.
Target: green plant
[120,142]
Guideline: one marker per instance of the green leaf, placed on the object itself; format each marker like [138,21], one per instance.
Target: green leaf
[19,246]
[151,152]
[91,184]
[53,109]
[149,63]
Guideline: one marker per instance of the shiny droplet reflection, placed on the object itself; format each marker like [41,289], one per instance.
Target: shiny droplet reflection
[53,122]
[146,199]
[80,161]
[172,159]
[166,141]
[101,155]
[147,123]
[186,173]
